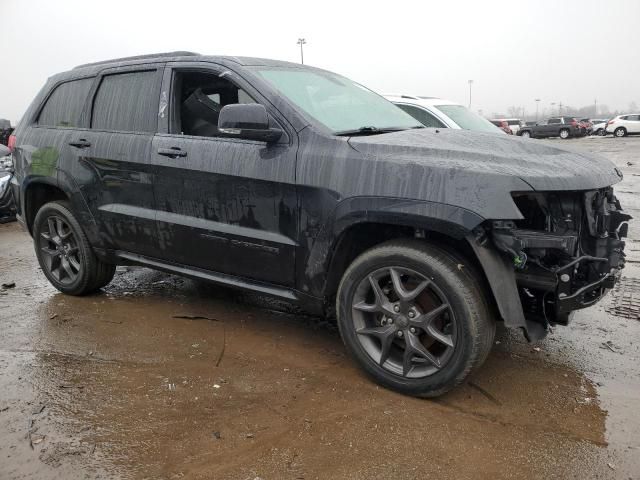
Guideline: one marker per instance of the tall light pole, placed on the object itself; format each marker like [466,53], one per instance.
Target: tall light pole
[470,83]
[552,105]
[537,104]
[560,109]
[595,107]
[301,42]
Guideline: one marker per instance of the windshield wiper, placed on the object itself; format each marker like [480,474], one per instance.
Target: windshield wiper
[371,131]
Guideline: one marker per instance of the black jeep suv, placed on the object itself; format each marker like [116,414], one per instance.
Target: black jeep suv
[298,183]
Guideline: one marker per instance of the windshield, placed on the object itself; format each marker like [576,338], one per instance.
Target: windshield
[337,102]
[468,120]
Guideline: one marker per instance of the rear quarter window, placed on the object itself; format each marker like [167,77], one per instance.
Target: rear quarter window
[64,106]
[127,102]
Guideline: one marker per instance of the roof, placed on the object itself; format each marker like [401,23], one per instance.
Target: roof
[420,100]
[185,56]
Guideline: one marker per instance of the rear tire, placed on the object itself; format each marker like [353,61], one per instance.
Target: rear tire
[64,252]
[620,132]
[424,346]
[564,134]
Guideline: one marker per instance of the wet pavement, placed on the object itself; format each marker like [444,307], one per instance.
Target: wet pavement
[161,377]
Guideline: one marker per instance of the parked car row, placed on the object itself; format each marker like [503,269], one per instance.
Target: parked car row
[569,127]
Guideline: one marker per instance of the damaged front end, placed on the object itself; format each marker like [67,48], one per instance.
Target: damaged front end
[566,253]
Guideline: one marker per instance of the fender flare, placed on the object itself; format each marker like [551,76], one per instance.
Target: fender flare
[501,277]
[29,182]
[447,219]
[77,200]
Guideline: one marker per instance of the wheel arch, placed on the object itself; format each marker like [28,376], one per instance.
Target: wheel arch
[35,194]
[446,227]
[39,191]
[362,223]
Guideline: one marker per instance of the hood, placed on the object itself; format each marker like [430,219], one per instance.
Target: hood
[539,164]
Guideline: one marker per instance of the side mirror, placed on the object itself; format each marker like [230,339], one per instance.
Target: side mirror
[248,121]
[4,150]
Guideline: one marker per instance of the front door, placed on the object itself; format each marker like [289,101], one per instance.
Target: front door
[224,205]
[633,124]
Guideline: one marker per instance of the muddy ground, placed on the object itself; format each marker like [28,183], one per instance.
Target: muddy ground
[121,385]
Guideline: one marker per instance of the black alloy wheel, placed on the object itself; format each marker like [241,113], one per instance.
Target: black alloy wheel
[64,252]
[60,248]
[414,316]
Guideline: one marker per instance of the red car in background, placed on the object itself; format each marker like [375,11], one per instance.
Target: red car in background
[502,125]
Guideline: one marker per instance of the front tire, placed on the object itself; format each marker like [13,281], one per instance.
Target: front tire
[413,317]
[526,134]
[64,252]
[620,132]
[564,134]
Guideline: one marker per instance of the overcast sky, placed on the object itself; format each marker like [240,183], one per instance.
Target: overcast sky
[558,51]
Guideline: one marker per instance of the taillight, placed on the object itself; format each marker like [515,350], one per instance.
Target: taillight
[12,142]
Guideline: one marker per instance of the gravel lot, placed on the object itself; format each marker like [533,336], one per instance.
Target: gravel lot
[162,377]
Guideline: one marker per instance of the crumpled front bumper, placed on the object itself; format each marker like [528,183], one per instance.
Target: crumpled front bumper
[540,276]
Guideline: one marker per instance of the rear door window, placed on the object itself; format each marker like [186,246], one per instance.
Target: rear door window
[127,102]
[64,106]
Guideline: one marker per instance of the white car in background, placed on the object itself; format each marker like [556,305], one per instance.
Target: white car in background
[440,113]
[598,126]
[622,125]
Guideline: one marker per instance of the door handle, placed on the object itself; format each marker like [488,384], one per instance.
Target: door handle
[82,143]
[173,152]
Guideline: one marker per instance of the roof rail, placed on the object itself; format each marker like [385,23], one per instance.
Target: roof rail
[410,97]
[140,57]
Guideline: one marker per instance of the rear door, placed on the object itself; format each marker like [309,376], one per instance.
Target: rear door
[45,145]
[223,204]
[553,127]
[113,157]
